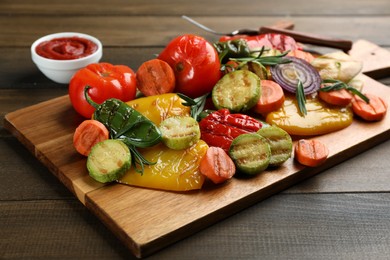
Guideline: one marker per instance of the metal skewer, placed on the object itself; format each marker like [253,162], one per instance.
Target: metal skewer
[207,29]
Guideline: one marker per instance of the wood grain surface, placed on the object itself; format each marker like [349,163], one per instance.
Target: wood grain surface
[342,213]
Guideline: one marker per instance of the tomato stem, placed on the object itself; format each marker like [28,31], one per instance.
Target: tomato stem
[88,98]
[179,67]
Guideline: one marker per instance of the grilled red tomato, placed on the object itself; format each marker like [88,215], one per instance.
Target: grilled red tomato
[105,81]
[195,63]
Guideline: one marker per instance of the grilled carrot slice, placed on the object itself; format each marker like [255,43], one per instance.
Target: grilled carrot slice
[271,98]
[310,152]
[217,165]
[374,110]
[340,97]
[155,77]
[87,134]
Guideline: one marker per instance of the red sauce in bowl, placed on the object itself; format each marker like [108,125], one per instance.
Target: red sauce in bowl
[66,48]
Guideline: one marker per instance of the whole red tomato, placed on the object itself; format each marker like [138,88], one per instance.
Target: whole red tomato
[106,81]
[195,63]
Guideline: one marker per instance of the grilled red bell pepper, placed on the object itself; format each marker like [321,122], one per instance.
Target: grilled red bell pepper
[269,40]
[220,127]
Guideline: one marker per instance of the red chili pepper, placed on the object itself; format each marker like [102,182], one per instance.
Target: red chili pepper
[220,127]
[269,40]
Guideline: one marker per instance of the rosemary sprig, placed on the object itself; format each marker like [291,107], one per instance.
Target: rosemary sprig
[337,84]
[301,98]
[197,105]
[138,160]
[263,60]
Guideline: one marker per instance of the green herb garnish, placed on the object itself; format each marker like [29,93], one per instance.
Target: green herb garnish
[263,60]
[197,105]
[301,98]
[337,84]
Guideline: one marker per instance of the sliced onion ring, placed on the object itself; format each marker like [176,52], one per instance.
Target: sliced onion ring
[288,74]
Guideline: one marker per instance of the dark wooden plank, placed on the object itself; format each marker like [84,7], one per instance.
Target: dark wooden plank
[23,177]
[323,226]
[363,173]
[12,99]
[200,7]
[61,229]
[337,226]
[19,72]
[130,31]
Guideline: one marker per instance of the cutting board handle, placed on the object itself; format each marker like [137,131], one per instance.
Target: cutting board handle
[310,38]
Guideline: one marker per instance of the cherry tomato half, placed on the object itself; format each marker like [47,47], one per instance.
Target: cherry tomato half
[195,63]
[106,81]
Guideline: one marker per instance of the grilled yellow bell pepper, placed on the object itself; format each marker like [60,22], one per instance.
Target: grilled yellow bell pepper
[321,118]
[175,170]
[159,107]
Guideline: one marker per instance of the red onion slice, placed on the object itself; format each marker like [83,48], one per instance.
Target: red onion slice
[288,74]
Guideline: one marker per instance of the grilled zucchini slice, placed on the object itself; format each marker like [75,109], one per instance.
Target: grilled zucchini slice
[108,160]
[251,153]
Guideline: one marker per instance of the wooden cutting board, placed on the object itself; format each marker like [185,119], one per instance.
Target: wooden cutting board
[376,60]
[147,220]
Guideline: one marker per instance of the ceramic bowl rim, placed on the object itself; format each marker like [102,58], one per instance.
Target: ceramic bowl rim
[65,64]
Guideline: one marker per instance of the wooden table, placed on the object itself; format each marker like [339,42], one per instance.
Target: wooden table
[341,213]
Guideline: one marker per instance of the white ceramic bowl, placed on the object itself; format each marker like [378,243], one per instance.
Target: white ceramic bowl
[61,71]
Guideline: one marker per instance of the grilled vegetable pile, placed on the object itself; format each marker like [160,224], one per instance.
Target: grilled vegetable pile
[209,111]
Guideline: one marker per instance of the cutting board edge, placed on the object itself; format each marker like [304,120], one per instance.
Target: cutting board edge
[10,127]
[32,148]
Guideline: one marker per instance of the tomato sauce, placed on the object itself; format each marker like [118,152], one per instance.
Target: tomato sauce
[66,48]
